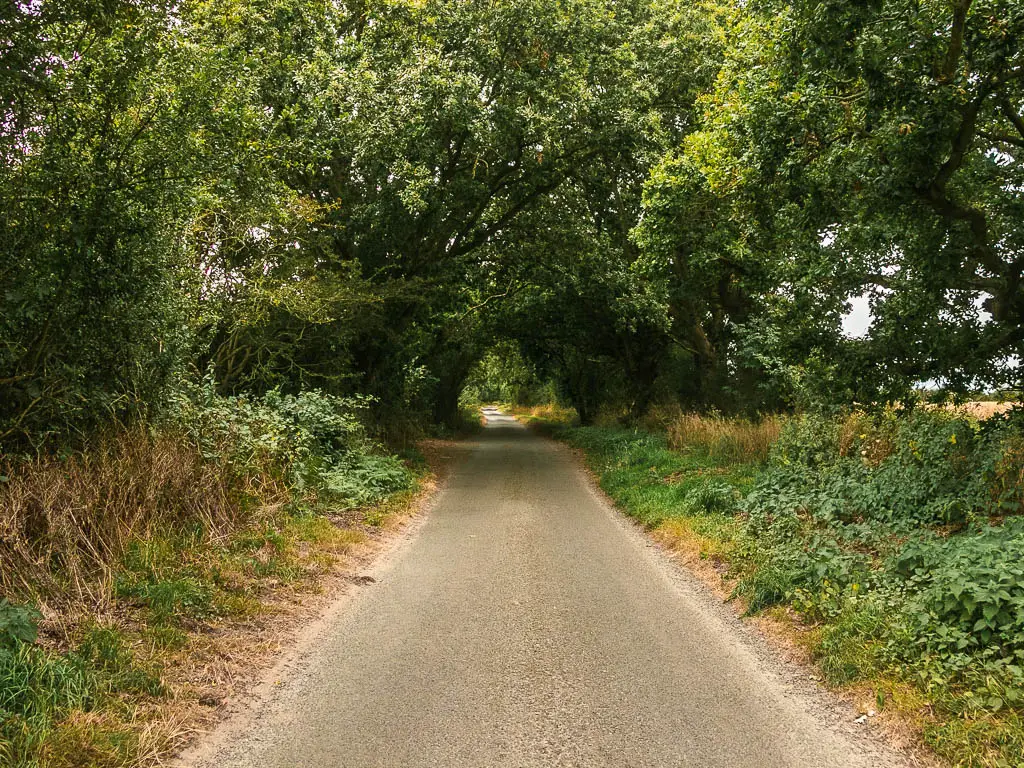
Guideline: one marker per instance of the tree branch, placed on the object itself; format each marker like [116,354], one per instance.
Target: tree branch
[956,39]
[1002,138]
[1012,115]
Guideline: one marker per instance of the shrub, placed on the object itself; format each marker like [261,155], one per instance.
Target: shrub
[365,479]
[808,440]
[929,467]
[293,434]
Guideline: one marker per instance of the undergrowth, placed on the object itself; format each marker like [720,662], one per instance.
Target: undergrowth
[897,540]
[167,530]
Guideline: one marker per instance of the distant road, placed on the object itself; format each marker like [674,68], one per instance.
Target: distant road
[527,624]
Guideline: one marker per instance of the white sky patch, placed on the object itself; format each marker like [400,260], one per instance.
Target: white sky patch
[979,304]
[857,321]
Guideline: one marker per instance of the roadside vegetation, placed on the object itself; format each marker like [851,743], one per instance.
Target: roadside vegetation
[116,561]
[893,546]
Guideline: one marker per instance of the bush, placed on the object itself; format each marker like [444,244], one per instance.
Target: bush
[220,465]
[712,496]
[928,468]
[807,440]
[893,534]
[968,591]
[297,434]
[366,479]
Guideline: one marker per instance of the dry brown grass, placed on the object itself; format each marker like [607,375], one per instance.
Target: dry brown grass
[549,414]
[728,439]
[65,524]
[982,410]
[659,416]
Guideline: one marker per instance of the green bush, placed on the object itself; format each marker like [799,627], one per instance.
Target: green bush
[316,441]
[938,469]
[297,432]
[885,538]
[712,496]
[968,591]
[365,479]
[807,441]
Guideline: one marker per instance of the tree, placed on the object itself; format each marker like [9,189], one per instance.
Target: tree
[870,147]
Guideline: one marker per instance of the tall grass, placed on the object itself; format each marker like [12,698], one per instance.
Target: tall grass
[547,415]
[66,523]
[732,439]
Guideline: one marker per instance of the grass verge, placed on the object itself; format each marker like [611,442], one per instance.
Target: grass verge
[895,571]
[149,576]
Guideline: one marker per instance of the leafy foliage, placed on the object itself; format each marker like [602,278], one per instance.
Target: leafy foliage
[346,212]
[17,624]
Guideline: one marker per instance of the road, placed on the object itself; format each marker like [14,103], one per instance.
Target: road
[525,623]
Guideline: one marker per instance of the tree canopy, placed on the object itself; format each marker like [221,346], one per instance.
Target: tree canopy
[648,200]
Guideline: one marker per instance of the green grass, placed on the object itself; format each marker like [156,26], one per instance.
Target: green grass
[653,483]
[73,708]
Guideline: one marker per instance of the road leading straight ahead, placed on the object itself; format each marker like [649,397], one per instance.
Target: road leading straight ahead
[527,624]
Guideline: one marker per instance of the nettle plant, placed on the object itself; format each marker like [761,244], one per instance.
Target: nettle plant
[17,625]
[968,592]
[926,468]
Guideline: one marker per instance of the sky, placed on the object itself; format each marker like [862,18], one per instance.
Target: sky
[857,321]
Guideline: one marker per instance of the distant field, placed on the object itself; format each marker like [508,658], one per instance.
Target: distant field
[981,409]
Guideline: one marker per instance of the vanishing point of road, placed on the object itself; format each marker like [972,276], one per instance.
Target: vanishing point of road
[525,623]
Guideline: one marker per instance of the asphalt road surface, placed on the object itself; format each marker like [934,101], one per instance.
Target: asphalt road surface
[525,623]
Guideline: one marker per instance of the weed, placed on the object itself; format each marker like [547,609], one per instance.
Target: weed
[169,600]
[17,624]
